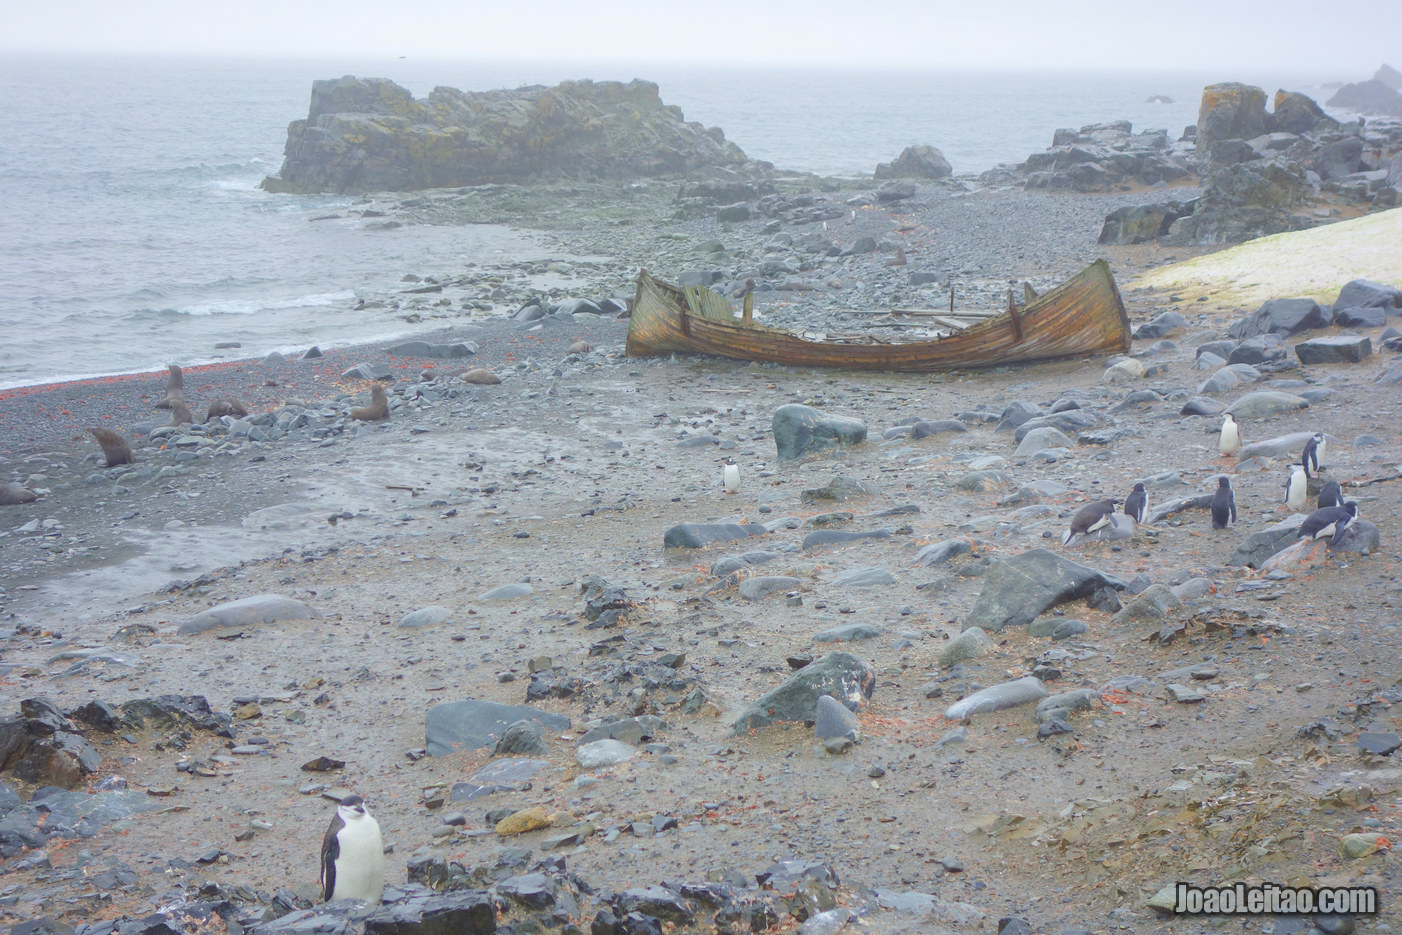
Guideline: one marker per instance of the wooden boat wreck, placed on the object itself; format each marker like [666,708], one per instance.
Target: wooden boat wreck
[1082,316]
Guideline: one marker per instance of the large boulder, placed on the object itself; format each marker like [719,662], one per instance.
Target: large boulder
[1282,316]
[841,675]
[1018,589]
[1364,293]
[1368,97]
[364,135]
[801,430]
[916,162]
[1230,111]
[1339,158]
[1142,223]
[1242,202]
[1297,113]
[1334,349]
[1261,545]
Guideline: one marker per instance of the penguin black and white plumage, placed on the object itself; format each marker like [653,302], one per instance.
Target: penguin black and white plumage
[1223,504]
[1330,521]
[1137,504]
[730,476]
[1297,489]
[1089,518]
[1331,494]
[1313,454]
[353,855]
[1229,442]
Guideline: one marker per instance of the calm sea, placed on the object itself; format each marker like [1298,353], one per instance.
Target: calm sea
[133,234]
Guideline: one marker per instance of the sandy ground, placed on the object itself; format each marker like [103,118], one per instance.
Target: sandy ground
[573,470]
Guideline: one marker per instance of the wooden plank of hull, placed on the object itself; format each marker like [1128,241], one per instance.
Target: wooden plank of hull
[1084,315]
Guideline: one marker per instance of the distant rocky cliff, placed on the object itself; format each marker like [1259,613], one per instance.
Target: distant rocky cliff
[370,134]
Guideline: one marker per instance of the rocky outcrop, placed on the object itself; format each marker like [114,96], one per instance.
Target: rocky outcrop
[916,162]
[1142,223]
[1230,111]
[1369,97]
[370,134]
[1101,156]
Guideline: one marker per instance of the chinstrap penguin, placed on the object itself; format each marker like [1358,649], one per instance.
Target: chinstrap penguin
[1089,518]
[1223,504]
[1330,521]
[1137,504]
[1297,489]
[353,855]
[1313,455]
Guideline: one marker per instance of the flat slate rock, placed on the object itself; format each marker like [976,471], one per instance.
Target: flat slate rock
[472,724]
[634,730]
[249,611]
[1261,545]
[839,489]
[841,675]
[1019,589]
[848,634]
[937,553]
[512,774]
[601,753]
[837,536]
[1334,349]
[761,586]
[868,577]
[699,535]
[724,566]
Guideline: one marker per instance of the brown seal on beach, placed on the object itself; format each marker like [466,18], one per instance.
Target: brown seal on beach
[14,494]
[378,408]
[114,447]
[481,376]
[225,406]
[180,413]
[899,259]
[581,347]
[175,388]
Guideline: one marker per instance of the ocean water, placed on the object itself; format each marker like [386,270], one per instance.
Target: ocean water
[133,233]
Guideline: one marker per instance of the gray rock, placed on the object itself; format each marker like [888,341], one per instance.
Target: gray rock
[801,430]
[969,644]
[1192,589]
[923,429]
[722,567]
[699,535]
[633,730]
[1360,536]
[1149,606]
[1219,382]
[248,611]
[1018,589]
[849,633]
[1066,420]
[1121,527]
[524,738]
[998,697]
[870,576]
[507,592]
[603,753]
[510,774]
[1202,406]
[1063,705]
[1164,324]
[368,371]
[761,586]
[1261,545]
[424,617]
[1364,293]
[471,724]
[1334,349]
[915,162]
[1282,316]
[1016,413]
[937,553]
[1262,404]
[835,536]
[982,481]
[842,675]
[1208,361]
[1044,437]
[1360,317]
[833,719]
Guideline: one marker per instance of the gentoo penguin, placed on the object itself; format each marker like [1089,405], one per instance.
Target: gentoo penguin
[1297,490]
[353,855]
[1331,494]
[1089,518]
[1313,454]
[1223,504]
[1230,441]
[1137,504]
[730,476]
[1330,521]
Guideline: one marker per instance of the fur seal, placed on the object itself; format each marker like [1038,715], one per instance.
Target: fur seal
[581,347]
[114,447]
[378,408]
[14,494]
[481,376]
[180,413]
[175,388]
[899,259]
[224,406]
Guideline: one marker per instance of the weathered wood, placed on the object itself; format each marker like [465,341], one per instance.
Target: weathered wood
[1084,315]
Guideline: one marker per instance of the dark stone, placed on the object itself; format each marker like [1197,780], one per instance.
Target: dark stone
[1257,350]
[839,490]
[1297,113]
[468,725]
[841,675]
[633,730]
[916,162]
[699,535]
[1017,589]
[176,712]
[923,429]
[1282,316]
[523,738]
[800,430]
[458,913]
[1360,317]
[510,774]
[830,536]
[1339,158]
[1364,293]
[99,715]
[1335,349]
[1368,97]
[1164,324]
[1380,743]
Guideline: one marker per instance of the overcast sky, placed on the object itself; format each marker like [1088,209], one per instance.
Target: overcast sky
[1284,36]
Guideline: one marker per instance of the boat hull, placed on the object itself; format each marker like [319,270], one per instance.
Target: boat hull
[1083,316]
